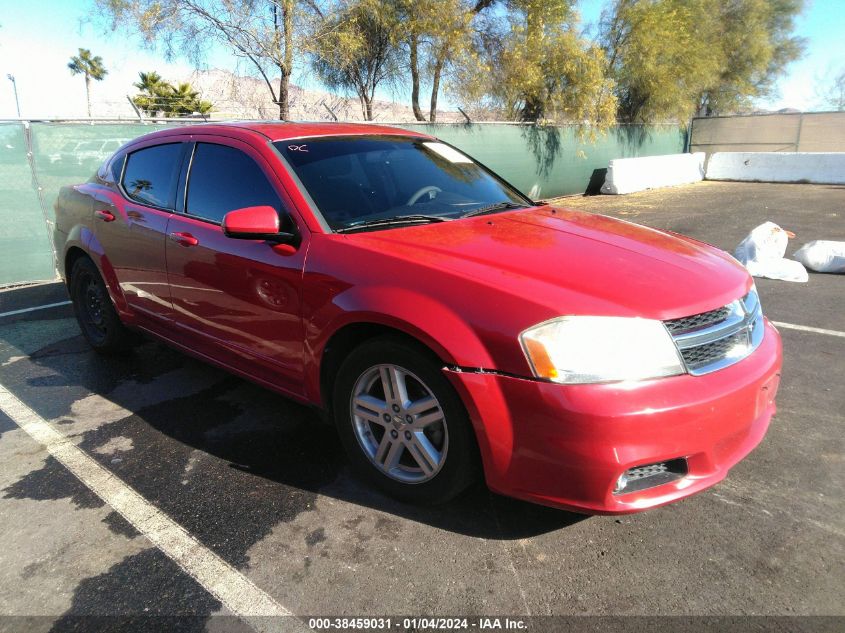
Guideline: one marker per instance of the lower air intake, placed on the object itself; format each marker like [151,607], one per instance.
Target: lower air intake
[650,475]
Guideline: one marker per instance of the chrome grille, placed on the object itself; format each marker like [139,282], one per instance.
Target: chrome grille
[685,324]
[713,340]
[702,355]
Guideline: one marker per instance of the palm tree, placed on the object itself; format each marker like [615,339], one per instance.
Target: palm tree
[152,83]
[186,100]
[160,96]
[154,89]
[89,65]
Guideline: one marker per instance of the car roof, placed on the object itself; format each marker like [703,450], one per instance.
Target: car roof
[278,131]
[283,130]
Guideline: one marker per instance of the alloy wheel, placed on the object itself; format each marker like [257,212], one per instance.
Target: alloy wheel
[399,424]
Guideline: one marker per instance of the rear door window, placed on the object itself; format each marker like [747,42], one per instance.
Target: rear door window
[223,179]
[151,173]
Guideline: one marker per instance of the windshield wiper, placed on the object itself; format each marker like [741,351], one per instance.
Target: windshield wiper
[395,221]
[492,208]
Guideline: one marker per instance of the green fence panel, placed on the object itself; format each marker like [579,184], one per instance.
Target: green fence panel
[70,153]
[549,161]
[25,246]
[542,161]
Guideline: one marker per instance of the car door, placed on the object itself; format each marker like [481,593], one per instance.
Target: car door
[240,299]
[131,227]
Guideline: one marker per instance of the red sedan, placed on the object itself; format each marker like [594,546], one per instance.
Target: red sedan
[449,325]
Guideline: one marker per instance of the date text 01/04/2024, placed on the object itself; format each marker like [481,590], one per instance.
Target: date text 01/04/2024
[417,624]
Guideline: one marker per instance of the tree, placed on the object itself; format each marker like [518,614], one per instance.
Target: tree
[356,50]
[540,68]
[833,95]
[266,33]
[660,54]
[91,66]
[160,98]
[419,21]
[152,83]
[435,33]
[757,44]
[184,100]
[672,59]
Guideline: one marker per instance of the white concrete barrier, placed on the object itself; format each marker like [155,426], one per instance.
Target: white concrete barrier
[815,167]
[627,175]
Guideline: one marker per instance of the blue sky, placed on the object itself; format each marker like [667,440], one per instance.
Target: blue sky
[35,45]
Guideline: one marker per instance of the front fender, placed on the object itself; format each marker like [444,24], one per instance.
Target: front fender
[429,321]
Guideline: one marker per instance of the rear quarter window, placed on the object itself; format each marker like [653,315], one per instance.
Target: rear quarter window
[151,173]
[115,169]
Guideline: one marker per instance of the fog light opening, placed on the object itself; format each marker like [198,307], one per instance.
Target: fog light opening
[650,475]
[621,483]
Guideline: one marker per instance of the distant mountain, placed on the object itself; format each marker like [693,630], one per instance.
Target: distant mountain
[238,97]
[765,111]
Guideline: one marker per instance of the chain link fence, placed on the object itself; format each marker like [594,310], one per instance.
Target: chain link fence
[37,158]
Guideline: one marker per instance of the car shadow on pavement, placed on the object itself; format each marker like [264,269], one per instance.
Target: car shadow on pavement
[224,451]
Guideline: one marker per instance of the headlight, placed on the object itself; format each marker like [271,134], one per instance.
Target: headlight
[583,349]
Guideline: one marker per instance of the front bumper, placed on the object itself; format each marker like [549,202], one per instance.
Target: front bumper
[567,445]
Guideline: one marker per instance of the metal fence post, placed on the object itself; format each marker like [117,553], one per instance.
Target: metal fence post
[688,136]
[134,107]
[798,135]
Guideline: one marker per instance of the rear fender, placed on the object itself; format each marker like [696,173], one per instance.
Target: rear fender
[98,255]
[79,237]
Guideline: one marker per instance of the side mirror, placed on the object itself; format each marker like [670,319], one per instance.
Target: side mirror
[254,223]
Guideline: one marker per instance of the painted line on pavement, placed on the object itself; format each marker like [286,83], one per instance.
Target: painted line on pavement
[806,328]
[25,310]
[234,590]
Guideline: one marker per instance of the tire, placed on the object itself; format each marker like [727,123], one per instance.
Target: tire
[98,320]
[419,447]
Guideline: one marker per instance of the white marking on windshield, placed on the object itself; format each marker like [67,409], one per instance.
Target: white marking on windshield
[452,155]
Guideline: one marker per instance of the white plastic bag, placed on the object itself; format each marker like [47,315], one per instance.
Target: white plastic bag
[823,256]
[762,251]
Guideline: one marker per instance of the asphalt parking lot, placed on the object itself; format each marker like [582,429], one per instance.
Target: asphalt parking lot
[261,489]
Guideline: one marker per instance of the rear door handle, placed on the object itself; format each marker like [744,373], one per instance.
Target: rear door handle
[185,239]
[104,215]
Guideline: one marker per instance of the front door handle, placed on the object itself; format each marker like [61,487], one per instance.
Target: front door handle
[104,215]
[184,239]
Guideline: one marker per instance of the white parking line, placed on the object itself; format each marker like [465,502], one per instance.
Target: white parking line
[237,593]
[25,310]
[806,328]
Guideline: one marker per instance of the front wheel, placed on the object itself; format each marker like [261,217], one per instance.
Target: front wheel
[403,426]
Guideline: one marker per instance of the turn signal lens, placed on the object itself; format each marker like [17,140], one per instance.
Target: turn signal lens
[543,365]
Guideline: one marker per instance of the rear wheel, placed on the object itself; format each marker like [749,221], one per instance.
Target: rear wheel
[403,426]
[95,313]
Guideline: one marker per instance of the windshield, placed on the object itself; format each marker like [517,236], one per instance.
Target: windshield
[358,179]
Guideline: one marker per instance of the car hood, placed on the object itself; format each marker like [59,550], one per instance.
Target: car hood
[572,262]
